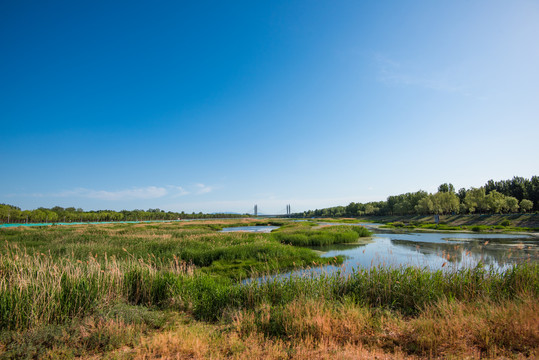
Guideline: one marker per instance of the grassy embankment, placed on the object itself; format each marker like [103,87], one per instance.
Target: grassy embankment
[478,223]
[151,291]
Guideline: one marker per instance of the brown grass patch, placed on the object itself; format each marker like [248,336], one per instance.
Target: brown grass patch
[200,341]
[477,330]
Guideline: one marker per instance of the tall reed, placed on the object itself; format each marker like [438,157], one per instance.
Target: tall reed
[39,289]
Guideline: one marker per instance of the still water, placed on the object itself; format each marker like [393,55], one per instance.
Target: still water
[448,251]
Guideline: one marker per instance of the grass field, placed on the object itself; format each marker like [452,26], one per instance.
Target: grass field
[174,291]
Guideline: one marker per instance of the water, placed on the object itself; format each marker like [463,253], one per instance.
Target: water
[436,249]
[448,251]
[255,229]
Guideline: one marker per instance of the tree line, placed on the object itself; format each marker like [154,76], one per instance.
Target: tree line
[506,196]
[13,214]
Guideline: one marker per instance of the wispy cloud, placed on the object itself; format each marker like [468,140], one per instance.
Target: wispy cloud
[203,189]
[393,73]
[177,191]
[133,193]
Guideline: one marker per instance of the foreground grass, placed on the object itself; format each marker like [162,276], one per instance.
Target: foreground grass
[132,303]
[350,331]
[346,330]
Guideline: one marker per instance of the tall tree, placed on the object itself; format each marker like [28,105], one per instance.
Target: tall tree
[526,205]
[446,188]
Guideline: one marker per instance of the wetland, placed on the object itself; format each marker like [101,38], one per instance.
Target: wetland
[118,290]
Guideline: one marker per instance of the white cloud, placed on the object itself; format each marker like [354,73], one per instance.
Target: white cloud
[177,191]
[203,189]
[133,193]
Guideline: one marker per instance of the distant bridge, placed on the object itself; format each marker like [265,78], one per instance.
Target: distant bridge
[286,212]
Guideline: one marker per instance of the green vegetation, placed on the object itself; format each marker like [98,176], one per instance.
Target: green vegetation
[58,214]
[132,290]
[506,196]
[232,254]
[503,226]
[319,236]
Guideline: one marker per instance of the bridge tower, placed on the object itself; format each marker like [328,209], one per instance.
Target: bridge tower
[256,210]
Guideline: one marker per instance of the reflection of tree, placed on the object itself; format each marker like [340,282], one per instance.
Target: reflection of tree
[485,251]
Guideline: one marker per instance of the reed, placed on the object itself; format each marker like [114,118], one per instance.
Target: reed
[37,289]
[56,280]
[311,236]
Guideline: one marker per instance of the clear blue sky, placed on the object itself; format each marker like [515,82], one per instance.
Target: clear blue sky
[216,106]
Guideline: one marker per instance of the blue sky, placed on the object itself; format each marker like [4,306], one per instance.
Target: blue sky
[217,106]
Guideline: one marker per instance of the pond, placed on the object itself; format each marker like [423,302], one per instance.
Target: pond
[448,251]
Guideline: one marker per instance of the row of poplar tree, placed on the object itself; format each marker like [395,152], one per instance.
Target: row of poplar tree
[13,214]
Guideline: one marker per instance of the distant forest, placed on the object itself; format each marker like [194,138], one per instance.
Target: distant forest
[13,214]
[506,196]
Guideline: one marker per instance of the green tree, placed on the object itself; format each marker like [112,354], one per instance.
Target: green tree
[461,194]
[495,201]
[445,202]
[369,209]
[526,205]
[446,188]
[425,206]
[475,200]
[511,204]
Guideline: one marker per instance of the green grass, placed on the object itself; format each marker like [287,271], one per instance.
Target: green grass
[105,285]
[306,235]
[40,290]
[53,274]
[443,227]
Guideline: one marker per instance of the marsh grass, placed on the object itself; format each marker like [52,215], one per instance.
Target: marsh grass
[305,235]
[119,326]
[38,289]
[58,299]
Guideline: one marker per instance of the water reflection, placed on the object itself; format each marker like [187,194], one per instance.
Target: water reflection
[471,252]
[447,251]
[437,250]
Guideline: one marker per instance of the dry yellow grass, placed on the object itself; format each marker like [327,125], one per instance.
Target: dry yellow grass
[314,331]
[487,329]
[204,342]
